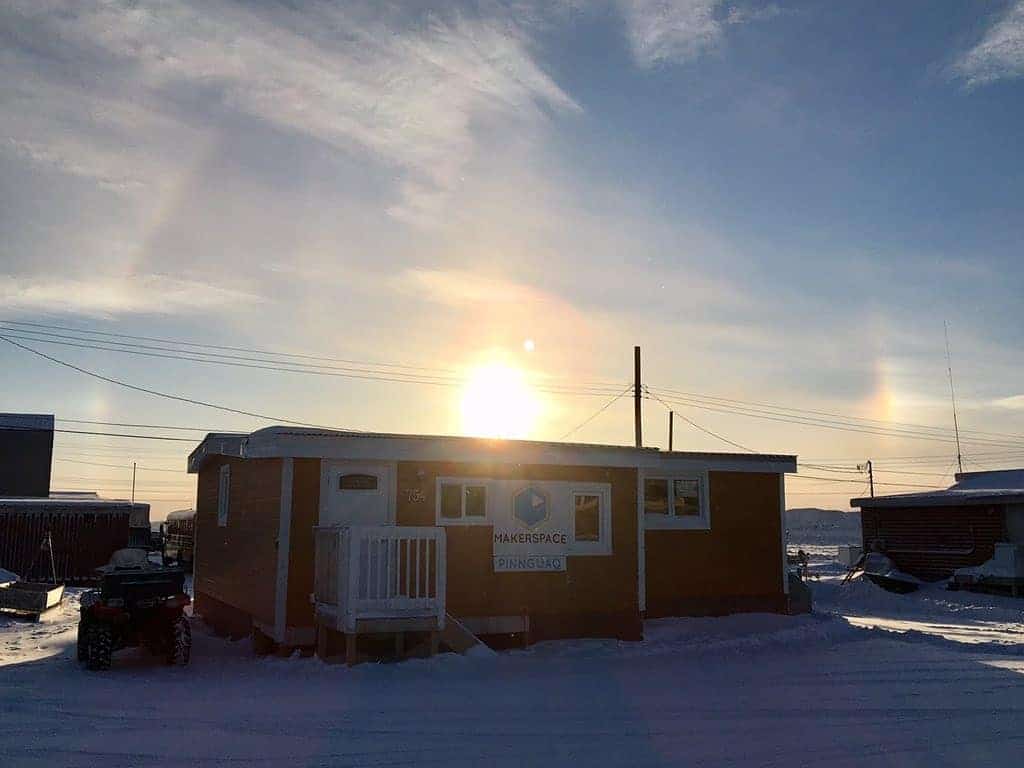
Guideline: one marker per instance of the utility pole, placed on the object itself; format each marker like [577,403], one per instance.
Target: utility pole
[671,414]
[871,475]
[637,413]
[952,396]
[133,482]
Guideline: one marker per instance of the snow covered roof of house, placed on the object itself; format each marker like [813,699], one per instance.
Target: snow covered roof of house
[77,501]
[297,442]
[1002,486]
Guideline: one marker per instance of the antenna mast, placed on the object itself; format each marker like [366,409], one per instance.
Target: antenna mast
[952,397]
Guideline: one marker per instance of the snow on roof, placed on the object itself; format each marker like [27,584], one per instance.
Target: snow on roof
[64,501]
[298,442]
[1003,486]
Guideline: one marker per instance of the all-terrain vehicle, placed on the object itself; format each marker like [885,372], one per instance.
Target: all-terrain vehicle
[138,603]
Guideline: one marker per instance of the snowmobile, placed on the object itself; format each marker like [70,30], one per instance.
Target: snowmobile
[139,603]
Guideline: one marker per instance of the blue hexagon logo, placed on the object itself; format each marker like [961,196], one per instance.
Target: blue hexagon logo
[530,506]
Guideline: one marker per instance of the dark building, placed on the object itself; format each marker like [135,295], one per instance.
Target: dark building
[929,535]
[83,529]
[26,453]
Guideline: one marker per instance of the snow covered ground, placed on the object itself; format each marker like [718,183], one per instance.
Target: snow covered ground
[929,679]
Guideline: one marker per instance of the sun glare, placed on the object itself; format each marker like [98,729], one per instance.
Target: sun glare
[498,402]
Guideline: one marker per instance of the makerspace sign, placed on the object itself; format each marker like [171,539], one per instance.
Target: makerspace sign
[535,534]
[531,506]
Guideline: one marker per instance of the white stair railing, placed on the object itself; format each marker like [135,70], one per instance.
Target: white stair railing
[379,572]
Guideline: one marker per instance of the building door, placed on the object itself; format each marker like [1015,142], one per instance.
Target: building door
[355,493]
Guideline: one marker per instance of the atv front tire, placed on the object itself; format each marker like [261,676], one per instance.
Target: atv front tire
[101,645]
[181,642]
[82,645]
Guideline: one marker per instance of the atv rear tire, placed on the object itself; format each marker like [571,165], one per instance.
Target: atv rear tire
[181,642]
[101,645]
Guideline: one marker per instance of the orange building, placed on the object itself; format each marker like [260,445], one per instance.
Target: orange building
[355,532]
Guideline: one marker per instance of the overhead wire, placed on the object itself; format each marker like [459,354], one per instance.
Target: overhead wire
[596,413]
[813,422]
[157,393]
[833,414]
[699,427]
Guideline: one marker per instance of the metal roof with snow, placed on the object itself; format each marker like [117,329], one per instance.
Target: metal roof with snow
[1003,486]
[293,442]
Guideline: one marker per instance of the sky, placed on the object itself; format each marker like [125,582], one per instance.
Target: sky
[782,203]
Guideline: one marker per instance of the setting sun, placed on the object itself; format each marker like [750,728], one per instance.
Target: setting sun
[498,402]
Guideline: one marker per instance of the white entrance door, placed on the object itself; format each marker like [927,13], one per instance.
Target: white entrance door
[355,493]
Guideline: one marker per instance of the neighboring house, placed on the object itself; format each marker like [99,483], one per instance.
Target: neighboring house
[931,534]
[555,540]
[84,528]
[26,453]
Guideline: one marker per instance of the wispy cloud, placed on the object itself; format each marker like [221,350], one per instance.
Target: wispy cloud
[108,296]
[412,95]
[1015,402]
[1000,53]
[682,30]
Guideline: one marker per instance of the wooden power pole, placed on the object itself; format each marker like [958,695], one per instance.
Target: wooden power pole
[671,419]
[869,467]
[637,412]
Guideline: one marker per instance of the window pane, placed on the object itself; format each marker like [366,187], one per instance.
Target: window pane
[686,498]
[588,517]
[476,501]
[451,501]
[656,497]
[357,482]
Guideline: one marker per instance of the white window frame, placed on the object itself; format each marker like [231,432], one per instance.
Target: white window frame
[344,471]
[670,520]
[223,495]
[603,546]
[474,482]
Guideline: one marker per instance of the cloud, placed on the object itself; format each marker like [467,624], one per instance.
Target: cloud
[107,296]
[1014,402]
[414,95]
[78,161]
[662,31]
[1000,53]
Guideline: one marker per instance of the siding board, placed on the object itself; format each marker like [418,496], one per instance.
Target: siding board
[931,542]
[736,566]
[237,564]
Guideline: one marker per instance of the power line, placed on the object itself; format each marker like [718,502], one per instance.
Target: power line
[222,347]
[841,480]
[117,466]
[280,366]
[105,434]
[157,393]
[139,426]
[597,413]
[702,429]
[820,423]
[880,422]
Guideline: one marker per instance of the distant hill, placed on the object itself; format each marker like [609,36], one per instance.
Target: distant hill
[810,525]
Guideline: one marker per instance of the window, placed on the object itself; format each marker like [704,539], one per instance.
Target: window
[586,516]
[462,502]
[223,495]
[357,482]
[676,502]
[656,496]
[686,498]
[590,524]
